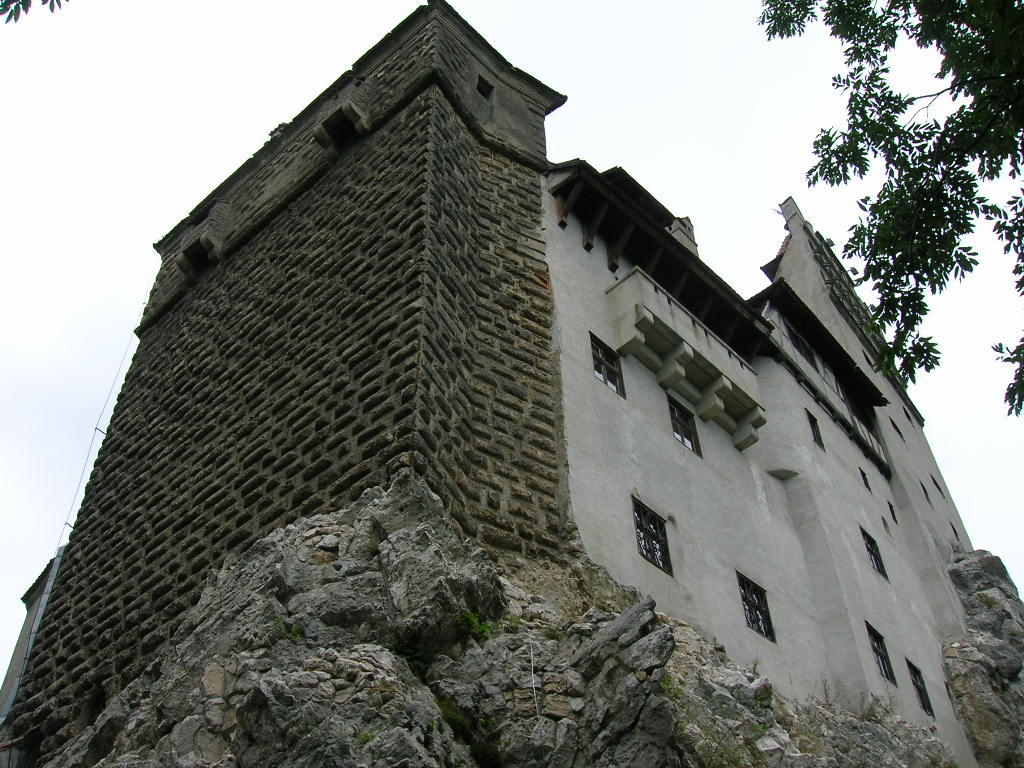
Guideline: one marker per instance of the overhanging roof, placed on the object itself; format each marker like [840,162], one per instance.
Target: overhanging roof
[633,223]
[846,369]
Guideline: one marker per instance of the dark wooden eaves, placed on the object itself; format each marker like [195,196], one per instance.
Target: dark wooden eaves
[856,382]
[616,208]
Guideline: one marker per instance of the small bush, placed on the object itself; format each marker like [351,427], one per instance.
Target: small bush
[471,625]
[460,722]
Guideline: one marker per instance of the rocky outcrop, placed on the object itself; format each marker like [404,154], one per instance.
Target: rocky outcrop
[376,636]
[985,665]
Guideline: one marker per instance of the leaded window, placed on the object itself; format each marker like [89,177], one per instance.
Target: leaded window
[917,679]
[684,427]
[755,607]
[607,365]
[881,654]
[651,539]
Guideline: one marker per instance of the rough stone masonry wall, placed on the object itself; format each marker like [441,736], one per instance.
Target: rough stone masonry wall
[365,328]
[488,413]
[279,385]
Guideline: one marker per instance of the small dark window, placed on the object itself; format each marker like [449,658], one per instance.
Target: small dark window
[484,88]
[755,607]
[925,490]
[607,366]
[937,486]
[885,524]
[898,431]
[907,414]
[864,479]
[815,429]
[917,679]
[873,554]
[892,512]
[956,533]
[651,540]
[196,256]
[881,655]
[683,426]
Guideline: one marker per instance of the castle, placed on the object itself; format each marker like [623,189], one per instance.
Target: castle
[401,279]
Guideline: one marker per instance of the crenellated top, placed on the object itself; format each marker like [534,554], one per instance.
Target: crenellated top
[502,105]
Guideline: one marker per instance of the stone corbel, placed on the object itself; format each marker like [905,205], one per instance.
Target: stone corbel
[746,428]
[672,373]
[632,340]
[711,404]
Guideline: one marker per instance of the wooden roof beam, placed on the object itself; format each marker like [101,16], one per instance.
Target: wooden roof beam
[618,248]
[654,261]
[592,226]
[565,204]
[677,289]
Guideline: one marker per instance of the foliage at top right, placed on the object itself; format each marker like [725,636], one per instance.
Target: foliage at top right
[910,239]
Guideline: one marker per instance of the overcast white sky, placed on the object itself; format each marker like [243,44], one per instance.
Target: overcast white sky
[117,118]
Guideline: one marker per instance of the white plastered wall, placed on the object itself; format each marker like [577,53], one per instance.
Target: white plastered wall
[727,511]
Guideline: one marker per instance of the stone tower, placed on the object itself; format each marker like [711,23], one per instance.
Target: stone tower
[368,292]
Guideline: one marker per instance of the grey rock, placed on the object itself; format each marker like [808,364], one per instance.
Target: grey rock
[346,640]
[984,665]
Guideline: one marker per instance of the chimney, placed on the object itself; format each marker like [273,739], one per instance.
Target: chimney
[682,230]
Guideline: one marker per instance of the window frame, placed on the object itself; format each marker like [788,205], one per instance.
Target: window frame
[680,416]
[874,554]
[754,600]
[917,681]
[956,534]
[882,662]
[898,430]
[864,479]
[651,536]
[815,429]
[605,359]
